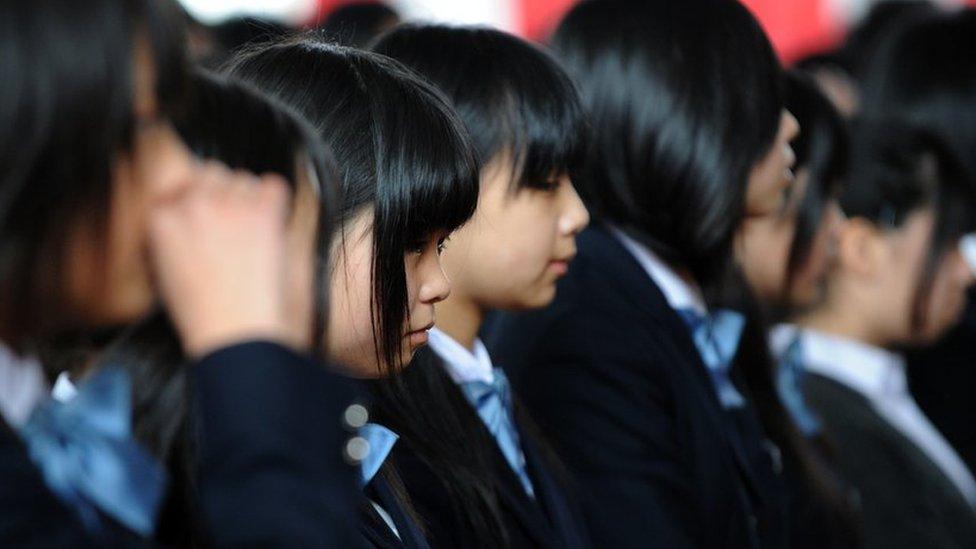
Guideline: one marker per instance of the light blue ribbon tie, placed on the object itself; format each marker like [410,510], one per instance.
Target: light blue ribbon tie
[88,458]
[493,401]
[717,337]
[790,376]
[380,441]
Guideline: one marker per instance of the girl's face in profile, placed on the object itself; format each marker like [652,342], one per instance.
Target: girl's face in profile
[773,173]
[351,338]
[107,277]
[518,243]
[764,245]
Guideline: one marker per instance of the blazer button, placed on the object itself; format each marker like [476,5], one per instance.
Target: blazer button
[356,450]
[355,416]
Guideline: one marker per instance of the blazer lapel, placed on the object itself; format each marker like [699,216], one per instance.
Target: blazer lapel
[410,535]
[551,496]
[512,496]
[645,292]
[375,529]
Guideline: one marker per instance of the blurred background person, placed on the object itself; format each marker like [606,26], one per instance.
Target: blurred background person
[899,281]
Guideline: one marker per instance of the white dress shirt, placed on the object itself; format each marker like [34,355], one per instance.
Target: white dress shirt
[679,293]
[461,364]
[22,386]
[879,375]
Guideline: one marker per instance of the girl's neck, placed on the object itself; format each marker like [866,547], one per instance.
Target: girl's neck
[840,321]
[461,319]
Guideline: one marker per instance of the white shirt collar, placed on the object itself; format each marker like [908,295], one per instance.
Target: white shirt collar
[680,294]
[461,364]
[22,386]
[874,372]
[879,375]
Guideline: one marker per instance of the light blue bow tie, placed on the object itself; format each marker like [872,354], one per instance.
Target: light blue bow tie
[381,441]
[789,384]
[493,401]
[717,338]
[85,451]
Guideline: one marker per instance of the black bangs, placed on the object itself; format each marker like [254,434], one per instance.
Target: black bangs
[402,153]
[425,165]
[682,99]
[821,149]
[512,96]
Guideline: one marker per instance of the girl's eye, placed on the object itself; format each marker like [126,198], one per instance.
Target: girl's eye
[552,185]
[442,245]
[416,247]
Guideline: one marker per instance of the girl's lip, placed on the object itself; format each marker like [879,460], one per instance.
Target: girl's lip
[560,266]
[418,338]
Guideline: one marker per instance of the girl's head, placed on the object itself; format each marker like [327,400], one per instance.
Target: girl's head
[235,124]
[785,255]
[408,177]
[689,130]
[922,75]
[227,121]
[89,87]
[900,273]
[527,126]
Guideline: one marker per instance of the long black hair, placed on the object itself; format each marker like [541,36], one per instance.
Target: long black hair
[402,154]
[683,98]
[821,149]
[66,110]
[230,122]
[516,103]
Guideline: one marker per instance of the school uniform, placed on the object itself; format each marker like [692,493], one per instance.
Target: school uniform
[384,523]
[666,450]
[914,489]
[271,471]
[538,510]
[943,381]
[813,524]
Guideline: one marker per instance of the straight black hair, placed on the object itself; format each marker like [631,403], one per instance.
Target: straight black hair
[402,152]
[922,76]
[683,98]
[821,149]
[228,121]
[897,170]
[66,111]
[511,95]
[883,22]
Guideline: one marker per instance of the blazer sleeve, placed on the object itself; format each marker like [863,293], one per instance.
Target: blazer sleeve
[271,471]
[604,400]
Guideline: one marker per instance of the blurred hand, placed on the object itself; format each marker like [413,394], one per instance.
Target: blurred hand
[218,241]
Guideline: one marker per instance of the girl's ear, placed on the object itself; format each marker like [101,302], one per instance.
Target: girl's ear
[861,248]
